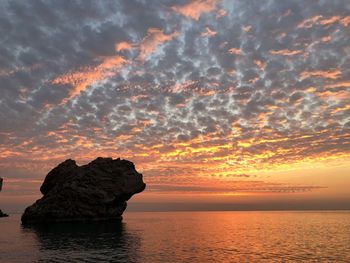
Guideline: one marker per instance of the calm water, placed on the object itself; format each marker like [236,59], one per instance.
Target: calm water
[184,237]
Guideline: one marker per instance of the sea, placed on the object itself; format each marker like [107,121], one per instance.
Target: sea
[150,237]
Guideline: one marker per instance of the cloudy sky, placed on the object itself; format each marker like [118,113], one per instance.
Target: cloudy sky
[213,100]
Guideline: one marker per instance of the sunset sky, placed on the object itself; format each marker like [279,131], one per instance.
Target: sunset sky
[217,102]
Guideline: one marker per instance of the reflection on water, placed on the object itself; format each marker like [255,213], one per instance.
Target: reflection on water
[84,242]
[184,237]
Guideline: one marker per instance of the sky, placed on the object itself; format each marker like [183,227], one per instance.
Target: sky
[221,104]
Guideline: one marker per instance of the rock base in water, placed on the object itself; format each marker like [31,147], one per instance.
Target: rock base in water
[96,191]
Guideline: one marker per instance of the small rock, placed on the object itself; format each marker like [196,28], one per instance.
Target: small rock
[3,214]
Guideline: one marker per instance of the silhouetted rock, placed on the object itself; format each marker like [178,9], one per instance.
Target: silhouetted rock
[96,191]
[3,214]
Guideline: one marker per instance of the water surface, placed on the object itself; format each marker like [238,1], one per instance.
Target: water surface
[184,237]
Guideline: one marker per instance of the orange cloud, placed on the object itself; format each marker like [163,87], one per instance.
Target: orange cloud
[259,64]
[340,95]
[307,23]
[246,28]
[326,39]
[84,77]
[330,74]
[221,13]
[330,20]
[208,33]
[235,51]
[152,40]
[123,46]
[345,21]
[195,8]
[344,84]
[286,52]
[320,20]
[341,109]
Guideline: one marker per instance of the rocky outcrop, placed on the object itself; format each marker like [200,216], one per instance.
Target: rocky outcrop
[1,213]
[96,191]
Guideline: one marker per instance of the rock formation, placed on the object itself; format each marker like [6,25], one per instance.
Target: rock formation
[96,191]
[1,213]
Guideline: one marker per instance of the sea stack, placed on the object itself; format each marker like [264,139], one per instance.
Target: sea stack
[96,191]
[1,213]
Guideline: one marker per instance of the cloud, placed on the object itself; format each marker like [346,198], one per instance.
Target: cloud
[238,187]
[123,46]
[9,72]
[195,8]
[208,33]
[230,91]
[324,21]
[330,74]
[85,77]
[235,51]
[246,28]
[286,52]
[152,40]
